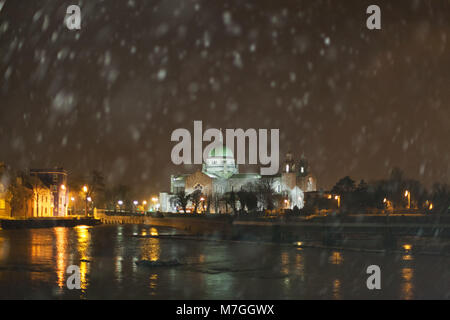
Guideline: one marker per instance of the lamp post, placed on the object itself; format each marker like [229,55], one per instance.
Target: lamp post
[85,190]
[144,204]
[338,198]
[120,203]
[408,195]
[154,200]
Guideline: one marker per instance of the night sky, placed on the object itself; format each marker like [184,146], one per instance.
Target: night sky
[356,102]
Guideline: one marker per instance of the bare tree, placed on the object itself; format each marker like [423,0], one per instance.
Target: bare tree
[182,199]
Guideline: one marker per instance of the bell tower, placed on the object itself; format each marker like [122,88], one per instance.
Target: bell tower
[289,163]
[303,167]
[288,173]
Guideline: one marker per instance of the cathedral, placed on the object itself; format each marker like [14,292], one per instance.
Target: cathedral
[220,174]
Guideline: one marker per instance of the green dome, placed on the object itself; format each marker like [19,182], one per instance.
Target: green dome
[222,152]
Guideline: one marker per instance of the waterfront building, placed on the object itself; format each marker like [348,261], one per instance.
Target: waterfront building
[56,180]
[220,175]
[5,210]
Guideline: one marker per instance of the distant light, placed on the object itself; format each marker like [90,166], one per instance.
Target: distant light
[336,197]
[406,193]
[430,207]
[144,202]
[202,199]
[407,247]
[135,202]
[63,187]
[154,199]
[73,199]
[85,189]
[120,202]
[89,199]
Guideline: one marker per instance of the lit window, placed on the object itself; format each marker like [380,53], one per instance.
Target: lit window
[2,204]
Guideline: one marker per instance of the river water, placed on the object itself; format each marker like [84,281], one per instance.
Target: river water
[33,265]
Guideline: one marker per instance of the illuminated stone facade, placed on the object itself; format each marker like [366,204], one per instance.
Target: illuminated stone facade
[220,174]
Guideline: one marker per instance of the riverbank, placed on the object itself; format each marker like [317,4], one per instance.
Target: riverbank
[47,222]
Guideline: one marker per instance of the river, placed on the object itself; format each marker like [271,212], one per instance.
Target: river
[33,265]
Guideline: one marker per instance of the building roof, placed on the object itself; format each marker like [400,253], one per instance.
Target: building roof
[245,175]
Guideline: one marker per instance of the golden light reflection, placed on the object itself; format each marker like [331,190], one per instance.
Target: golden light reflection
[154,231]
[153,282]
[83,237]
[407,257]
[336,258]
[407,247]
[4,248]
[151,249]
[336,289]
[61,262]
[300,265]
[407,286]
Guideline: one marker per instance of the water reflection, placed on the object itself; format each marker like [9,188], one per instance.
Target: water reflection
[153,283]
[4,248]
[61,263]
[151,249]
[83,237]
[336,258]
[337,289]
[407,285]
[36,262]
[300,265]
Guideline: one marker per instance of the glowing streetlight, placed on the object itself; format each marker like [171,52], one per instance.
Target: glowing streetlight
[63,187]
[430,207]
[338,198]
[89,199]
[135,202]
[408,195]
[85,190]
[120,202]
[144,203]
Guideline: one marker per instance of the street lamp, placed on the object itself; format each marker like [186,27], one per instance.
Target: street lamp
[85,190]
[154,200]
[120,203]
[338,198]
[408,195]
